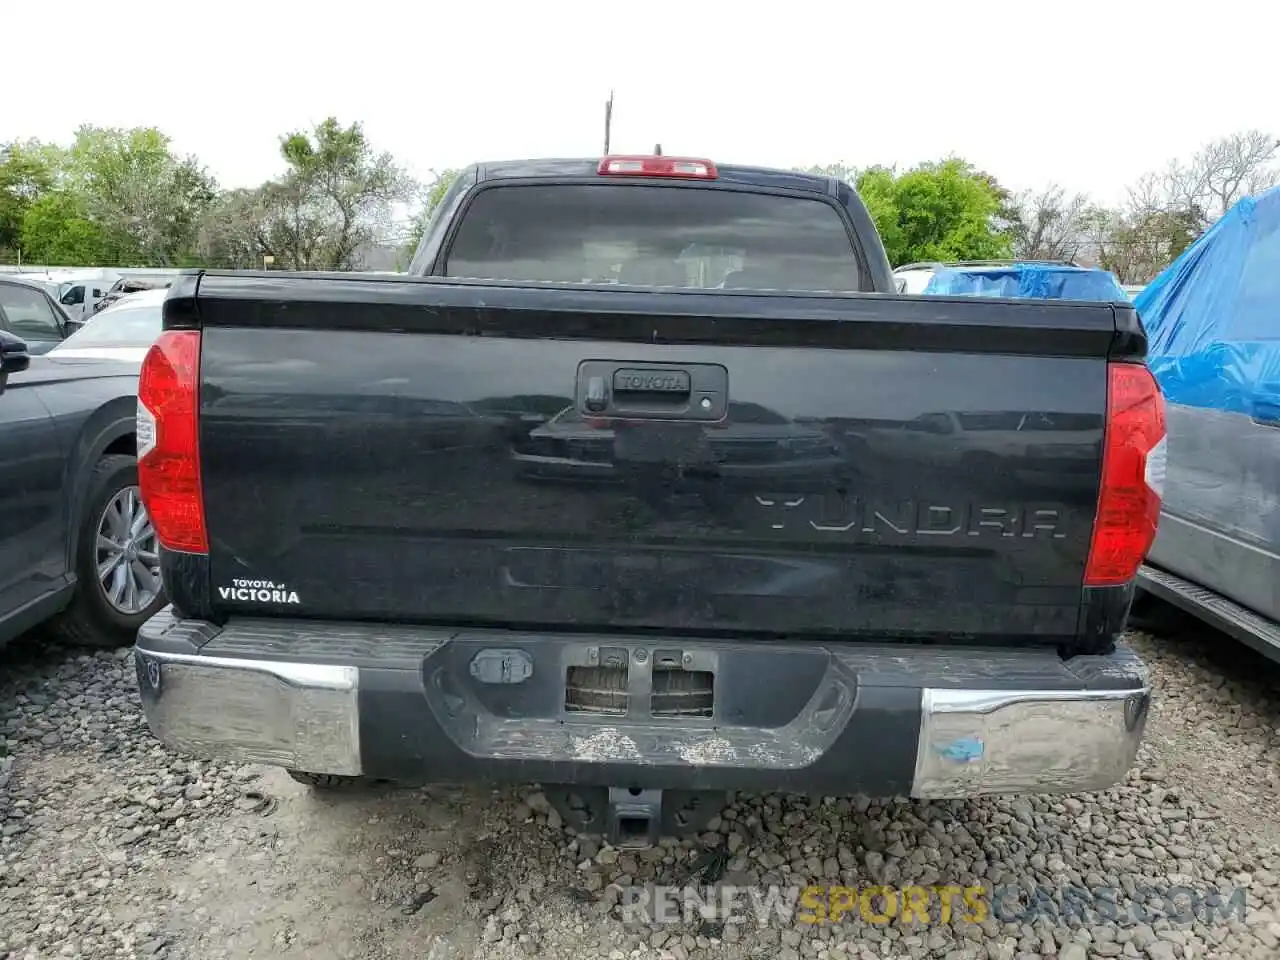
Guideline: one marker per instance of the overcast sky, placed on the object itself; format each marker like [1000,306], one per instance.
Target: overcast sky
[1089,94]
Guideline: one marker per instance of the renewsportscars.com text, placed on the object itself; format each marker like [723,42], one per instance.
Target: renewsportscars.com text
[945,904]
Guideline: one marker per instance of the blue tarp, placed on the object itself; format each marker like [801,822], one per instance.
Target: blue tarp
[1213,316]
[1038,281]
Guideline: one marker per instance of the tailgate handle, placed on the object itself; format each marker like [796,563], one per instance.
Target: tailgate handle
[671,384]
[597,399]
[647,390]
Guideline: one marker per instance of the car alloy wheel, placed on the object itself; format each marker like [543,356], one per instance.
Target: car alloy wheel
[126,553]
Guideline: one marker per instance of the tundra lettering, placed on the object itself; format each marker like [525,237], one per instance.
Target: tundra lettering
[840,513]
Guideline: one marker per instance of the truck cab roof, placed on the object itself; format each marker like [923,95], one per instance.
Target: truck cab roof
[588,168]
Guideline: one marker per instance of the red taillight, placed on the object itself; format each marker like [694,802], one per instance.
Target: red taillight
[683,167]
[169,441]
[1133,466]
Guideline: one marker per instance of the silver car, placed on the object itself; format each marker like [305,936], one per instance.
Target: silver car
[123,331]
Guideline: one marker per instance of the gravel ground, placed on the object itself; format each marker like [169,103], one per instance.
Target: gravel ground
[110,846]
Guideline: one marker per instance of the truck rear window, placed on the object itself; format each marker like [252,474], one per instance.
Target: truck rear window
[654,236]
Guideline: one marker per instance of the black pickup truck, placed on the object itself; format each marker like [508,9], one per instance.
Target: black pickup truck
[644,485]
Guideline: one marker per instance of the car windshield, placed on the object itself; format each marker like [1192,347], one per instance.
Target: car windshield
[124,326]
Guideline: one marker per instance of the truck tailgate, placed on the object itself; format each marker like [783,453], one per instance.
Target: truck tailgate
[864,466]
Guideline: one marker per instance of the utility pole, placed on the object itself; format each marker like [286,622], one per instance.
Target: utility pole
[608,121]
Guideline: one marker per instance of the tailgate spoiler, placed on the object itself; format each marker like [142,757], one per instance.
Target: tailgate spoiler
[321,301]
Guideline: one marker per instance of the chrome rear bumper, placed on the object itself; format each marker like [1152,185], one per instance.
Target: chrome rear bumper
[301,716]
[402,704]
[975,742]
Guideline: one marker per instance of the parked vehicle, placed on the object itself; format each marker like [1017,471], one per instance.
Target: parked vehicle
[81,290]
[29,312]
[48,286]
[123,331]
[77,549]
[376,591]
[1214,317]
[82,299]
[914,278]
[134,283]
[1035,281]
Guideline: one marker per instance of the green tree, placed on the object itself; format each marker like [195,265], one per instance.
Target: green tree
[429,197]
[339,192]
[235,231]
[57,231]
[28,170]
[147,201]
[334,198]
[1008,211]
[937,211]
